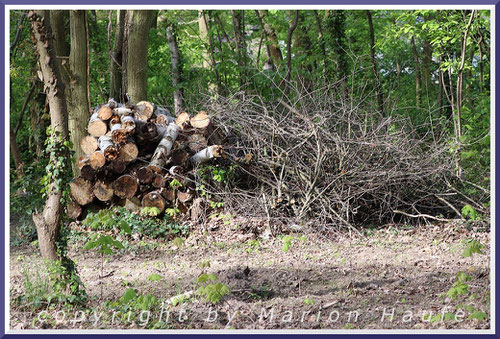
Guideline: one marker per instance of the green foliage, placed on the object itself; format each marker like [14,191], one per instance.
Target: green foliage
[470,213]
[472,246]
[479,315]
[150,211]
[58,170]
[155,277]
[308,301]
[49,284]
[287,242]
[147,223]
[175,184]
[209,289]
[103,244]
[36,288]
[136,302]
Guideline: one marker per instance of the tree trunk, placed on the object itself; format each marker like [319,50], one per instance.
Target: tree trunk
[335,26]
[139,22]
[126,33]
[18,162]
[459,99]
[291,28]
[380,100]
[239,36]
[48,221]
[115,83]
[179,105]
[418,81]
[77,94]
[208,52]
[321,42]
[59,22]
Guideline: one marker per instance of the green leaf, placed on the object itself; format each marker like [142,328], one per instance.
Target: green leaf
[155,277]
[89,245]
[479,315]
[203,278]
[128,296]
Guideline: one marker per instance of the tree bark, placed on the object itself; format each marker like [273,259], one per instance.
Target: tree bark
[291,28]
[18,162]
[418,80]
[48,221]
[380,99]
[139,23]
[179,105]
[208,51]
[239,36]
[78,95]
[115,83]
[59,22]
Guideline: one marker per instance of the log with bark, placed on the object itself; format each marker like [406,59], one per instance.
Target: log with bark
[164,148]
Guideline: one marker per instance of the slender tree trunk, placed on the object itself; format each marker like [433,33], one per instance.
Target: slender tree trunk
[291,28]
[13,133]
[77,94]
[321,41]
[137,55]
[48,221]
[440,106]
[115,83]
[239,36]
[203,27]
[179,105]
[37,109]
[459,100]
[302,47]
[208,53]
[418,80]
[380,99]
[18,162]
[126,35]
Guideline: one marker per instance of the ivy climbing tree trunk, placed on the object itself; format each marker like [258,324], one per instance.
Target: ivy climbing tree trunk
[78,98]
[48,221]
[139,23]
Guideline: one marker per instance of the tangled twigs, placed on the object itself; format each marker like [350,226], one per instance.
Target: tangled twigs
[320,158]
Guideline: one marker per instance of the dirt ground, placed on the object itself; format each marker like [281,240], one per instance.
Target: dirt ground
[391,278]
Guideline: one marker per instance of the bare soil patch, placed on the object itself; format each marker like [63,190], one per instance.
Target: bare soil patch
[319,283]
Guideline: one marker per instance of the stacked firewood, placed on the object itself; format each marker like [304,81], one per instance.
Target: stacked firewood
[135,151]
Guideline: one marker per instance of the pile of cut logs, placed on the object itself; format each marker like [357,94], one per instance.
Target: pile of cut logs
[135,151]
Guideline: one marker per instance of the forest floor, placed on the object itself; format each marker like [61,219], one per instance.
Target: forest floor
[390,278]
